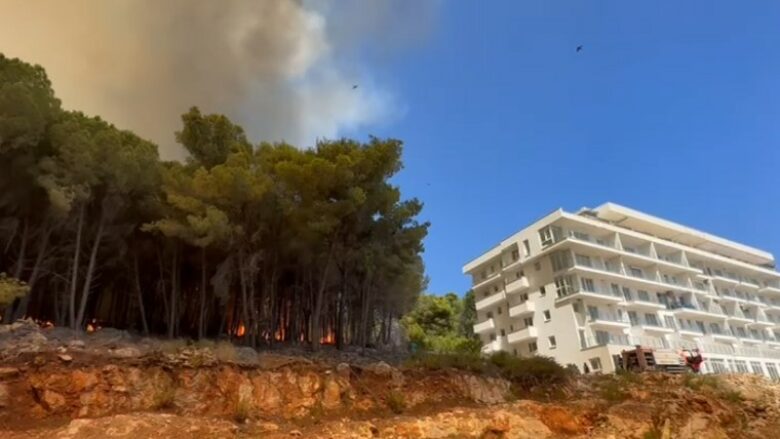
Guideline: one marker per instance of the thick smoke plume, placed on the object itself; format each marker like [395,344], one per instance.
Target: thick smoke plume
[282,68]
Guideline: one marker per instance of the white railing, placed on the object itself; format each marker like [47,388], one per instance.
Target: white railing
[523,334]
[485,326]
[490,300]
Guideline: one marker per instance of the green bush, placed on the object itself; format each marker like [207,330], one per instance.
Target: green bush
[469,363]
[396,402]
[10,289]
[529,371]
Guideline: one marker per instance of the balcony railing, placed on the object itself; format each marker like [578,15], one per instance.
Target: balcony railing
[517,285]
[608,317]
[490,300]
[487,325]
[527,307]
[527,333]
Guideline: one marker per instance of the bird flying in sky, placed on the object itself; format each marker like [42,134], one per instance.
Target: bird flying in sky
[354,86]
[579,48]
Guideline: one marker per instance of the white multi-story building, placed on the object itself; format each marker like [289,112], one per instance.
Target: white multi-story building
[583,287]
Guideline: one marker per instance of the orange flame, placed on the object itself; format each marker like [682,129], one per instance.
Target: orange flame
[328,338]
[241,330]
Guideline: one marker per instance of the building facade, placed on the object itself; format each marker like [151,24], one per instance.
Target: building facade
[581,287]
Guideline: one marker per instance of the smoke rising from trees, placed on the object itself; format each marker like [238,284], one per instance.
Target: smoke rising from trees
[283,69]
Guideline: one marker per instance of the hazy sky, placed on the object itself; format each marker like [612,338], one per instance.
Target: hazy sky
[672,108]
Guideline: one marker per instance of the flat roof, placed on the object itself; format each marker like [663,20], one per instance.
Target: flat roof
[632,219]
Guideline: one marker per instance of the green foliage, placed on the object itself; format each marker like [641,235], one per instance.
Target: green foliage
[282,241]
[712,384]
[525,373]
[613,391]
[10,289]
[396,402]
[442,324]
[242,410]
[468,363]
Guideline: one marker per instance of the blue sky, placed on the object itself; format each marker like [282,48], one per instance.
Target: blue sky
[672,108]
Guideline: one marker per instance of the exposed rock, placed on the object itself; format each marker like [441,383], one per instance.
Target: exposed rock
[8,372]
[331,397]
[65,358]
[52,401]
[126,352]
[5,397]
[381,368]
[344,370]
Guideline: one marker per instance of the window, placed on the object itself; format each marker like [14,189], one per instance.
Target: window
[503,333]
[526,248]
[560,260]
[587,284]
[669,322]
[595,363]
[542,292]
[563,286]
[520,274]
[549,235]
[483,275]
[581,236]
[643,295]
[615,289]
[626,293]
[636,272]
[552,342]
[495,288]
[523,297]
[741,332]
[492,269]
[529,321]
[718,366]
[577,307]
[772,371]
[756,368]
[538,266]
[651,319]
[489,315]
[493,336]
[499,310]
[632,317]
[741,366]
[629,249]
[511,328]
[515,255]
[532,347]
[546,315]
[583,260]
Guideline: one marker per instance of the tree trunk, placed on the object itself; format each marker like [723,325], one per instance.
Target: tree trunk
[202,292]
[244,295]
[90,270]
[43,245]
[316,329]
[140,294]
[75,270]
[22,250]
[174,291]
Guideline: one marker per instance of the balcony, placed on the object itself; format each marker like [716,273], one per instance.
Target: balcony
[608,321]
[496,345]
[486,281]
[595,295]
[524,308]
[606,339]
[772,289]
[487,325]
[760,321]
[683,309]
[517,285]
[489,301]
[658,327]
[690,330]
[526,334]
[633,301]
[605,247]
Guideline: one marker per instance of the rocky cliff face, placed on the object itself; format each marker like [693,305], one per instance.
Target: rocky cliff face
[73,389]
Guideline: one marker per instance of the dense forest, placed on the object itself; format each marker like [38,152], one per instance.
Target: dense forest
[258,242]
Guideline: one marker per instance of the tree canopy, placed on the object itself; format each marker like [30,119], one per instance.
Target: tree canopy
[259,242]
[443,324]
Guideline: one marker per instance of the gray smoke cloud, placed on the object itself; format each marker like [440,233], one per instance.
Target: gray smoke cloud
[284,69]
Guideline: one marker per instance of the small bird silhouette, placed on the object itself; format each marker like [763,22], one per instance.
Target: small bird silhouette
[579,48]
[354,86]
